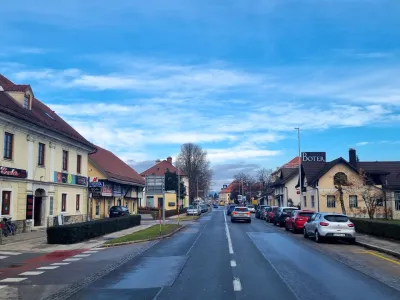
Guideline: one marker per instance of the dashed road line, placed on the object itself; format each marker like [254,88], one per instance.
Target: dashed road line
[237,286]
[97,249]
[31,273]
[190,249]
[12,279]
[90,252]
[3,257]
[3,286]
[9,253]
[60,264]
[48,268]
[72,259]
[81,255]
[233,263]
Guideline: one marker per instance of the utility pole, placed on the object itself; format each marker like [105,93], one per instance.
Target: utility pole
[179,193]
[300,183]
[197,188]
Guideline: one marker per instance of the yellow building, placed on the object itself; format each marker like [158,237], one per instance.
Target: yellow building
[44,161]
[112,183]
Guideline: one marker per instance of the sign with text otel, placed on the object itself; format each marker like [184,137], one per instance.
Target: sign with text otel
[313,157]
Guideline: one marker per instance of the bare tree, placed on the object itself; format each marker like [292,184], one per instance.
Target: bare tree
[264,176]
[192,160]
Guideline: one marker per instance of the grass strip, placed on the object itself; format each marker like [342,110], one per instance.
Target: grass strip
[148,233]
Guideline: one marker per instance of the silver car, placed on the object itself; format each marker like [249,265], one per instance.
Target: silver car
[193,210]
[241,213]
[330,226]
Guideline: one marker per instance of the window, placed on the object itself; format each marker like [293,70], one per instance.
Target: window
[41,149]
[5,203]
[108,205]
[336,218]
[78,202]
[65,160]
[63,202]
[330,201]
[51,208]
[379,202]
[119,202]
[78,164]
[397,200]
[312,201]
[305,201]
[26,101]
[353,203]
[97,208]
[8,145]
[150,201]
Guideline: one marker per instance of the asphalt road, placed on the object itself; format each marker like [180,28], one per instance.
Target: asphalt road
[213,258]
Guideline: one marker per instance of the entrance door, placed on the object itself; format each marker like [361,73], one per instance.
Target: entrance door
[37,213]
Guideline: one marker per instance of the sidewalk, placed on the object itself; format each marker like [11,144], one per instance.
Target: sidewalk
[390,247]
[37,241]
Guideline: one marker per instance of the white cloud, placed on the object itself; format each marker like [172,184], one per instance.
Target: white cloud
[362,143]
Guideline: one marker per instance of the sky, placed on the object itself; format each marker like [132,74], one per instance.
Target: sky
[140,78]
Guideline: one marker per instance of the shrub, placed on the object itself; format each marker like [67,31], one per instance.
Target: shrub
[78,232]
[168,213]
[379,228]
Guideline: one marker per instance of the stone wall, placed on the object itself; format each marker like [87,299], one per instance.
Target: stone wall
[68,220]
[23,225]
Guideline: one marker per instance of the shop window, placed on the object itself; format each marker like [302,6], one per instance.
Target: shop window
[312,201]
[8,145]
[97,208]
[41,152]
[78,202]
[65,160]
[353,203]
[331,201]
[63,202]
[6,202]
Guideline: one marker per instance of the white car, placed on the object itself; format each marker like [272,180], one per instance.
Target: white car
[251,208]
[193,210]
[330,226]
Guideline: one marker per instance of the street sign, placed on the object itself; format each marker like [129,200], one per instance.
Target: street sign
[155,185]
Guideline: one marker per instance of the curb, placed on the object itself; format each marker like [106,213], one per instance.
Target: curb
[379,249]
[141,241]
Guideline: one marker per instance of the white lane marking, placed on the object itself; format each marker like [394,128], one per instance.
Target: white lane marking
[159,292]
[12,279]
[3,257]
[81,255]
[72,259]
[9,253]
[97,249]
[233,263]
[228,236]
[31,273]
[59,264]
[3,286]
[237,286]
[90,252]
[191,247]
[48,268]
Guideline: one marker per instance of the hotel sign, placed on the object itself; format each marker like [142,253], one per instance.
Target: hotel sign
[313,157]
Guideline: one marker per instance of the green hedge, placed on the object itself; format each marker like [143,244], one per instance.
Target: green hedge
[168,213]
[78,232]
[379,228]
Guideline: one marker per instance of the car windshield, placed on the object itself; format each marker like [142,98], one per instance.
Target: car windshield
[288,210]
[336,218]
[306,214]
[191,207]
[250,206]
[241,209]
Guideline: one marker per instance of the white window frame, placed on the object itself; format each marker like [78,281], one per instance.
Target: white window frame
[11,201]
[327,201]
[351,204]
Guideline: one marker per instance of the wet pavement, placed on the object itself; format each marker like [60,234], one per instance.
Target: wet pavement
[213,258]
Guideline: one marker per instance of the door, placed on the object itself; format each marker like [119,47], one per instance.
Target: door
[37,211]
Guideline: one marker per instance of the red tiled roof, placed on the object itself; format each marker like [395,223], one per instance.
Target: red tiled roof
[113,167]
[293,163]
[40,114]
[160,169]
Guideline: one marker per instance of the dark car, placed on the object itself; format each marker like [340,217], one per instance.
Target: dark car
[118,211]
[282,214]
[215,205]
[230,209]
[264,212]
[258,211]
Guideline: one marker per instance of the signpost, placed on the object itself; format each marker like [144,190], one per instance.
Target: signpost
[155,185]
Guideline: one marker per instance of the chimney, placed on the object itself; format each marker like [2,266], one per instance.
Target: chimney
[353,157]
[157,161]
[169,159]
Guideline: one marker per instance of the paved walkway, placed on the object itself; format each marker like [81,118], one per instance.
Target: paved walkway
[391,247]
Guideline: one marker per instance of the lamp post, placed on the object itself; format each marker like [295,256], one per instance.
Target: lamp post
[300,183]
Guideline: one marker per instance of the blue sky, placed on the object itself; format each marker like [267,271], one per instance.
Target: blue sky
[142,77]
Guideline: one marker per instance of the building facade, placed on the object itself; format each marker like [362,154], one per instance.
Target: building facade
[112,183]
[43,161]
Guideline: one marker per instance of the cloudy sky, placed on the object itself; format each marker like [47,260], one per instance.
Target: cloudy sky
[142,77]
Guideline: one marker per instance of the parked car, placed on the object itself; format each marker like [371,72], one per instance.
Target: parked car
[118,211]
[204,208]
[258,211]
[297,219]
[215,205]
[281,215]
[240,213]
[323,226]
[271,214]
[263,213]
[193,210]
[230,209]
[251,208]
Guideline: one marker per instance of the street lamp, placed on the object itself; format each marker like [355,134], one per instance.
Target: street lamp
[300,183]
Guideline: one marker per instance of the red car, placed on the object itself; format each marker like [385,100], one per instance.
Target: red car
[297,220]
[271,213]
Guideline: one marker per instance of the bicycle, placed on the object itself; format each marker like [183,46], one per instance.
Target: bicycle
[7,227]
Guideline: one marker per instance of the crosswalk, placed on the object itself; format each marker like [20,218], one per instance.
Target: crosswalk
[7,254]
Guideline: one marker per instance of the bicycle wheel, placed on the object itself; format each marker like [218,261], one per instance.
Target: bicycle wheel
[13,229]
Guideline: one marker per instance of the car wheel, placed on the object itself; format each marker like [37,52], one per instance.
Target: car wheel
[352,241]
[318,238]
[286,228]
[305,234]
[249,221]
[232,221]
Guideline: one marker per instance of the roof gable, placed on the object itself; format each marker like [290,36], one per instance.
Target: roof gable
[113,167]
[160,169]
[389,170]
